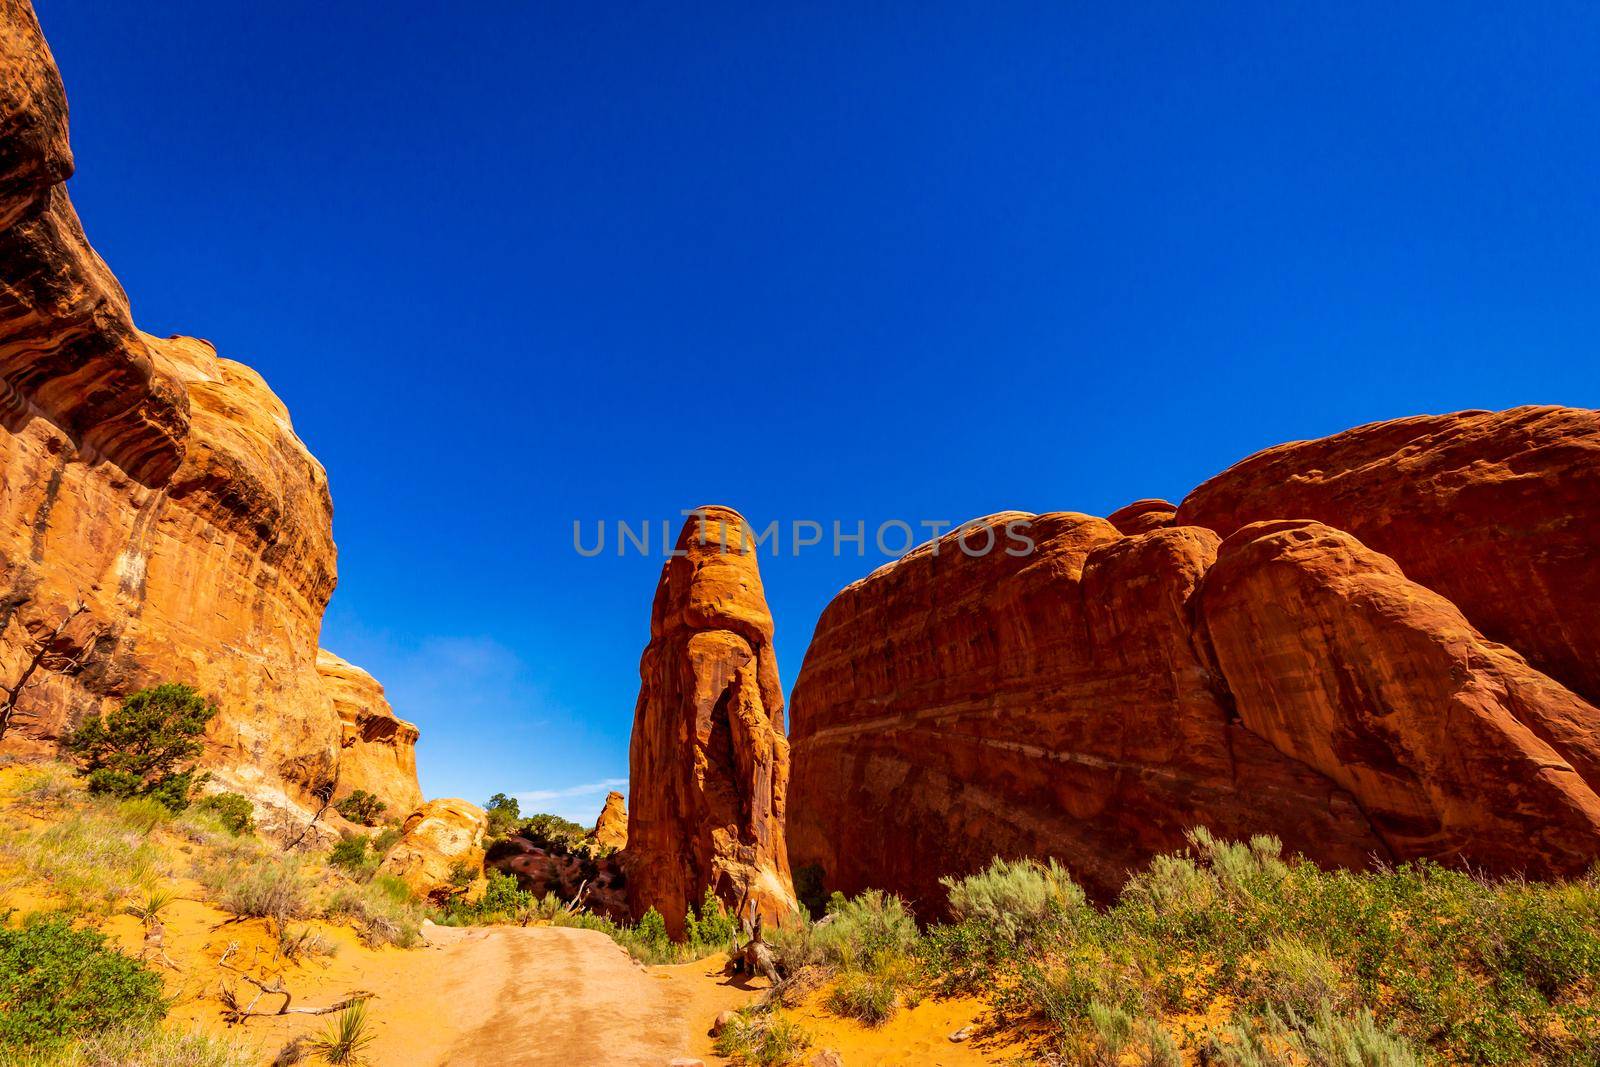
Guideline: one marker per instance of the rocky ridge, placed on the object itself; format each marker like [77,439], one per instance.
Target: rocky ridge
[1249,660]
[159,518]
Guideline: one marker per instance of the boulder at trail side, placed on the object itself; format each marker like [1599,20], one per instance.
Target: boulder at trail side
[437,838]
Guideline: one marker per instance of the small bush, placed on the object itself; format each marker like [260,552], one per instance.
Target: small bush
[145,747]
[360,806]
[233,811]
[386,839]
[266,887]
[762,1040]
[712,929]
[553,833]
[1015,898]
[871,998]
[384,909]
[57,982]
[137,1046]
[350,853]
[867,929]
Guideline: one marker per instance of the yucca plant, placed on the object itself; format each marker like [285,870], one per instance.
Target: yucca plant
[344,1041]
[149,908]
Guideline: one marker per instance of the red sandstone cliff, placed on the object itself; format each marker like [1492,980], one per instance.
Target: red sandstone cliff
[159,486]
[709,764]
[1138,676]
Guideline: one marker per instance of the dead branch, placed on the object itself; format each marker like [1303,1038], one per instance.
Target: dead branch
[323,793]
[13,692]
[235,1012]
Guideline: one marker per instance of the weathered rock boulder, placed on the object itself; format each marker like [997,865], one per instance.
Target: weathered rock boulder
[1498,511]
[1455,748]
[952,708]
[611,829]
[436,838]
[378,749]
[709,764]
[159,519]
[1136,677]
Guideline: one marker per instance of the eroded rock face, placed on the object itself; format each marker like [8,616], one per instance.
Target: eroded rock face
[378,749]
[158,486]
[954,708]
[709,764]
[611,829]
[1498,511]
[437,837]
[1136,677]
[1453,745]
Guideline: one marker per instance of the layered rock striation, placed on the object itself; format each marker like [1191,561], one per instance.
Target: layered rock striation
[709,763]
[159,519]
[1274,674]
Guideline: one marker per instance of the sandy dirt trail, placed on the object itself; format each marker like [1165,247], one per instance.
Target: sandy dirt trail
[540,997]
[476,996]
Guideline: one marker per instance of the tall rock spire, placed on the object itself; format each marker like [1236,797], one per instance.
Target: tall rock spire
[709,766]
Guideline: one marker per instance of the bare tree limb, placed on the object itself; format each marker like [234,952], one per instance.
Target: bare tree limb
[13,692]
[235,1012]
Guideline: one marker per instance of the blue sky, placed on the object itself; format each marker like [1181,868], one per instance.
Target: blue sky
[537,263]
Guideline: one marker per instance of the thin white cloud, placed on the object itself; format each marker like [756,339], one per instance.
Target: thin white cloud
[539,796]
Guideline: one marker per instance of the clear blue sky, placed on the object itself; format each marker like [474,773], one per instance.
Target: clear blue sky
[532,262]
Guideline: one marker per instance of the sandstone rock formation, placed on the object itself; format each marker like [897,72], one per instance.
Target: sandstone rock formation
[611,829]
[153,496]
[437,837]
[709,763]
[379,749]
[1139,676]
[1499,511]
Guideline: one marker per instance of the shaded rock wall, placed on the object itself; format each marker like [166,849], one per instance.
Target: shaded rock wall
[709,764]
[1131,679]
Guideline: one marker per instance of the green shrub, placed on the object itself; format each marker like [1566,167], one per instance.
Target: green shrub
[712,929]
[794,942]
[762,1039]
[136,1046]
[553,833]
[386,839]
[360,806]
[1015,898]
[868,929]
[142,747]
[233,811]
[384,909]
[57,982]
[273,887]
[351,853]
[871,998]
